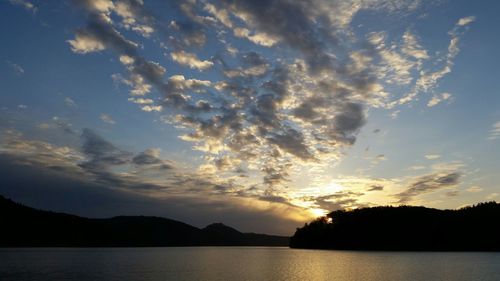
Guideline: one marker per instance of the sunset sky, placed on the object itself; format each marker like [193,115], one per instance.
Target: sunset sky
[258,114]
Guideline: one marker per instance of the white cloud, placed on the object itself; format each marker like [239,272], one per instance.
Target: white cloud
[25,4]
[495,131]
[466,20]
[179,82]
[19,70]
[395,114]
[69,102]
[436,99]
[432,156]
[126,60]
[258,38]
[429,78]
[150,108]
[191,60]
[141,100]
[107,119]
[412,47]
[136,81]
[221,15]
[131,18]
[86,43]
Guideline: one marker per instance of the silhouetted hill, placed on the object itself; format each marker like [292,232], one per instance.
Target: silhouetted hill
[23,226]
[475,228]
[221,234]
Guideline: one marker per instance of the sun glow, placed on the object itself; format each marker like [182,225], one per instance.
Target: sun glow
[318,212]
[333,187]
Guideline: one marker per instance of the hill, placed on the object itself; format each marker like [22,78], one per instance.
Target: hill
[475,228]
[27,227]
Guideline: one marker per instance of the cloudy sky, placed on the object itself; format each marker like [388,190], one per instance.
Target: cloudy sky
[258,114]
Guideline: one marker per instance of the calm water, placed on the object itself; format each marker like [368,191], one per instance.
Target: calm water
[241,263]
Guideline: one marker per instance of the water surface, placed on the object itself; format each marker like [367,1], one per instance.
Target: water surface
[241,263]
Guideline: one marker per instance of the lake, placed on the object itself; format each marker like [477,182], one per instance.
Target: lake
[241,263]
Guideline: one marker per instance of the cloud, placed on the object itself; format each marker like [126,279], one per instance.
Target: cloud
[221,15]
[436,99]
[151,157]
[466,20]
[191,60]
[495,131]
[474,189]
[100,153]
[428,183]
[291,141]
[297,103]
[27,5]
[134,16]
[107,119]
[100,179]
[69,102]
[19,70]
[338,201]
[429,78]
[432,156]
[85,42]
[416,168]
[376,188]
[141,100]
[67,192]
[412,47]
[180,83]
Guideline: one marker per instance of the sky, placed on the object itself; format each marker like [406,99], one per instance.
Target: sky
[259,114]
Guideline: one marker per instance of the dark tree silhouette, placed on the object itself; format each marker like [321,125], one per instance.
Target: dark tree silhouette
[475,228]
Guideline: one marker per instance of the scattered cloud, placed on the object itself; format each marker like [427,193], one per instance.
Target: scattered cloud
[428,79]
[416,168]
[466,20]
[69,102]
[338,201]
[18,70]
[376,188]
[429,183]
[272,114]
[151,157]
[85,42]
[152,108]
[27,5]
[495,131]
[107,119]
[436,99]
[191,60]
[432,156]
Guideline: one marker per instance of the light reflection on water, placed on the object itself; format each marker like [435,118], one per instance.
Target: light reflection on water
[241,263]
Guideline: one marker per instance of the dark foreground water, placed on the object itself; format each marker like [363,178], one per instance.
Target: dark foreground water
[241,263]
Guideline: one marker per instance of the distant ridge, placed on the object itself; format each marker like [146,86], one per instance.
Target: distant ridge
[475,228]
[23,226]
